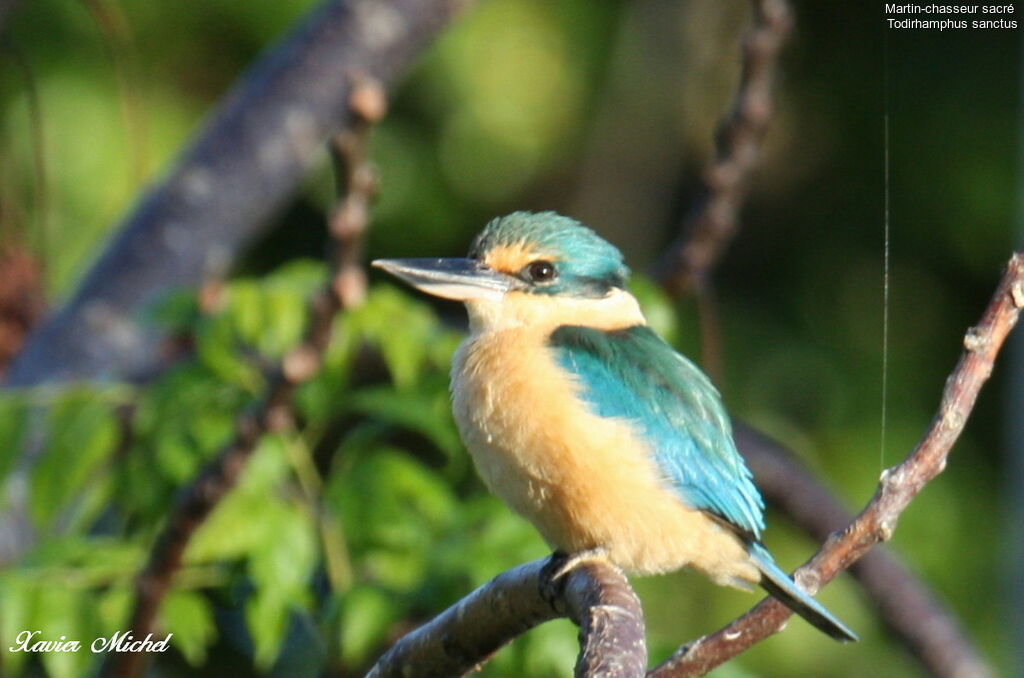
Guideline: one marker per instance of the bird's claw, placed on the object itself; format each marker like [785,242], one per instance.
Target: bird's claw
[576,559]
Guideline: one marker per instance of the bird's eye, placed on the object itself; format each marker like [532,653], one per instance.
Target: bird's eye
[541,271]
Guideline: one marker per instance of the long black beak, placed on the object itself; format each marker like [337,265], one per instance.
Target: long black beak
[458,279]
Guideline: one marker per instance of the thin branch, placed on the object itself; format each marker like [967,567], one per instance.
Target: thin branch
[595,595]
[273,412]
[898,486]
[901,599]
[708,230]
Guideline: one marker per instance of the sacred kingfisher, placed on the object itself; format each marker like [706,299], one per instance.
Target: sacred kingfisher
[586,422]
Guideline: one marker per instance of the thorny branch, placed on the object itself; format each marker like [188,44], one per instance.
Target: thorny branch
[898,486]
[274,411]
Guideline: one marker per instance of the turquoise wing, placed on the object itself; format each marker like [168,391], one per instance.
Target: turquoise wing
[632,374]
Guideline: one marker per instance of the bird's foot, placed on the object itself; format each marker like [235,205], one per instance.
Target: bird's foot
[571,562]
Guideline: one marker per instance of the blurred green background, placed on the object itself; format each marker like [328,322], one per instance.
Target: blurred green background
[367,518]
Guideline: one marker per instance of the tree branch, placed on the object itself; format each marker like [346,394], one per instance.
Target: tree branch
[274,411]
[901,599]
[246,161]
[595,594]
[710,228]
[898,486]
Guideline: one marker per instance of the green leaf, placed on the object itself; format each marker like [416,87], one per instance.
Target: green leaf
[114,607]
[188,615]
[401,327]
[286,321]
[219,349]
[13,420]
[286,558]
[266,616]
[177,310]
[61,611]
[427,412]
[245,310]
[15,609]
[270,314]
[239,524]
[395,511]
[82,434]
[281,568]
[277,538]
[367,614]
[176,455]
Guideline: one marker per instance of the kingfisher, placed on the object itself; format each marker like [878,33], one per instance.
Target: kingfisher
[588,424]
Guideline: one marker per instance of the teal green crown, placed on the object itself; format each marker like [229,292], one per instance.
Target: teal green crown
[587,264]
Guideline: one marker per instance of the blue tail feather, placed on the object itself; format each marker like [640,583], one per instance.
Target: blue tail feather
[778,584]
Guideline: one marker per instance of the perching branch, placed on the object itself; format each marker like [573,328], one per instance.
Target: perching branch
[594,594]
[900,598]
[897,488]
[274,411]
[246,161]
[709,229]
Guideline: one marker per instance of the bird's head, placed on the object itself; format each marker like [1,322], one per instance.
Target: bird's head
[523,261]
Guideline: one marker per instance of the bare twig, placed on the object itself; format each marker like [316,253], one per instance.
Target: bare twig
[710,228]
[898,486]
[595,595]
[273,412]
[901,599]
[357,180]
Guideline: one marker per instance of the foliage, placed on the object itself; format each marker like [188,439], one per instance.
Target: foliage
[353,520]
